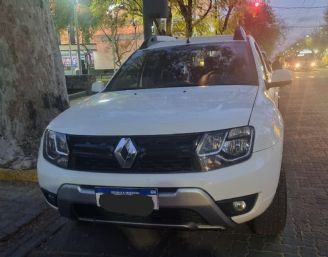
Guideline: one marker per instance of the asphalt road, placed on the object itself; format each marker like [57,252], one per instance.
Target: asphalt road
[305,108]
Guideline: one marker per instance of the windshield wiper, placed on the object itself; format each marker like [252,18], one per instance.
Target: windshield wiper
[124,88]
[172,84]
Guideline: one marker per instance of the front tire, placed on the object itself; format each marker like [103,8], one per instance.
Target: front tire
[273,220]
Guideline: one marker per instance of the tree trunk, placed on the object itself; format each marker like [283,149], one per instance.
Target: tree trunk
[186,12]
[189,27]
[188,19]
[169,22]
[32,82]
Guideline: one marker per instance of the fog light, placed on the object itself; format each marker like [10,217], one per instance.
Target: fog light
[239,205]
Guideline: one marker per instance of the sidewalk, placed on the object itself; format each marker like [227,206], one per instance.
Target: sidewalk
[20,203]
[25,218]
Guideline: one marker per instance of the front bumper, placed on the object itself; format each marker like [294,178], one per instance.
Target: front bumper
[259,175]
[198,208]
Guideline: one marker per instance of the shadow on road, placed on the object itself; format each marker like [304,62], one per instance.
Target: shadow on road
[86,239]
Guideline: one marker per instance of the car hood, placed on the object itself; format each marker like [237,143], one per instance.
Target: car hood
[159,111]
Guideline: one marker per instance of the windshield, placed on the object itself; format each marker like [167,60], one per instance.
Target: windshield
[193,65]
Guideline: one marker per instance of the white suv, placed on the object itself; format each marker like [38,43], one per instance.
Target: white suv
[187,134]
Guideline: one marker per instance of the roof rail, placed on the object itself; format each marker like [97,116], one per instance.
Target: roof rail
[240,33]
[156,39]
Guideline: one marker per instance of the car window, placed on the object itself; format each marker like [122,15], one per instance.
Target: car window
[191,65]
[130,77]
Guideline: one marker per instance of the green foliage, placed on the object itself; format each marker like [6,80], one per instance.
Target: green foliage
[62,13]
[86,22]
[110,17]
[192,13]
[63,16]
[205,27]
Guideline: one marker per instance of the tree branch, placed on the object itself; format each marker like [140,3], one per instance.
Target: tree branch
[205,14]
[226,19]
[183,8]
[106,35]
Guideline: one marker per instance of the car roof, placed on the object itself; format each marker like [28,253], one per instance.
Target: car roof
[191,41]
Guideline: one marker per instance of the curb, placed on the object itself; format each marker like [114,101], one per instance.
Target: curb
[18,175]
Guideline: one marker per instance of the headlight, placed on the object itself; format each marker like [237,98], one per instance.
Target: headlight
[226,147]
[55,148]
[297,65]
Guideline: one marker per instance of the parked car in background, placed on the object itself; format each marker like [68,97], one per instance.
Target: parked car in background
[304,62]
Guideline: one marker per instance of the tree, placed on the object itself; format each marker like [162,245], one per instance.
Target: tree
[63,15]
[323,33]
[62,12]
[326,16]
[111,17]
[32,83]
[263,25]
[193,12]
[226,14]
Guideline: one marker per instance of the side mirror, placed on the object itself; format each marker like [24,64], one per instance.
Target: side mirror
[97,87]
[280,78]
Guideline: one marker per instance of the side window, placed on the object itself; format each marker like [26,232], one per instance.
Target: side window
[263,66]
[130,73]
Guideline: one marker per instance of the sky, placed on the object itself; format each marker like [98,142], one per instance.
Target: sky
[299,17]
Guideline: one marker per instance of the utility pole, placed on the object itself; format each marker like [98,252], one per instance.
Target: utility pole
[153,11]
[147,24]
[76,19]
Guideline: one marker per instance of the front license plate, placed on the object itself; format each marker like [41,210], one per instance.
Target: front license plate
[133,201]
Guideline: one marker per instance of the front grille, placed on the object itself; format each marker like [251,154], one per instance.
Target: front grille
[173,216]
[156,154]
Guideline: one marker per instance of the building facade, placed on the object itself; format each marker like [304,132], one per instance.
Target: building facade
[105,52]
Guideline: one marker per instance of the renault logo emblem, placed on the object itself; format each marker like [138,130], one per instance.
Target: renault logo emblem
[125,152]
